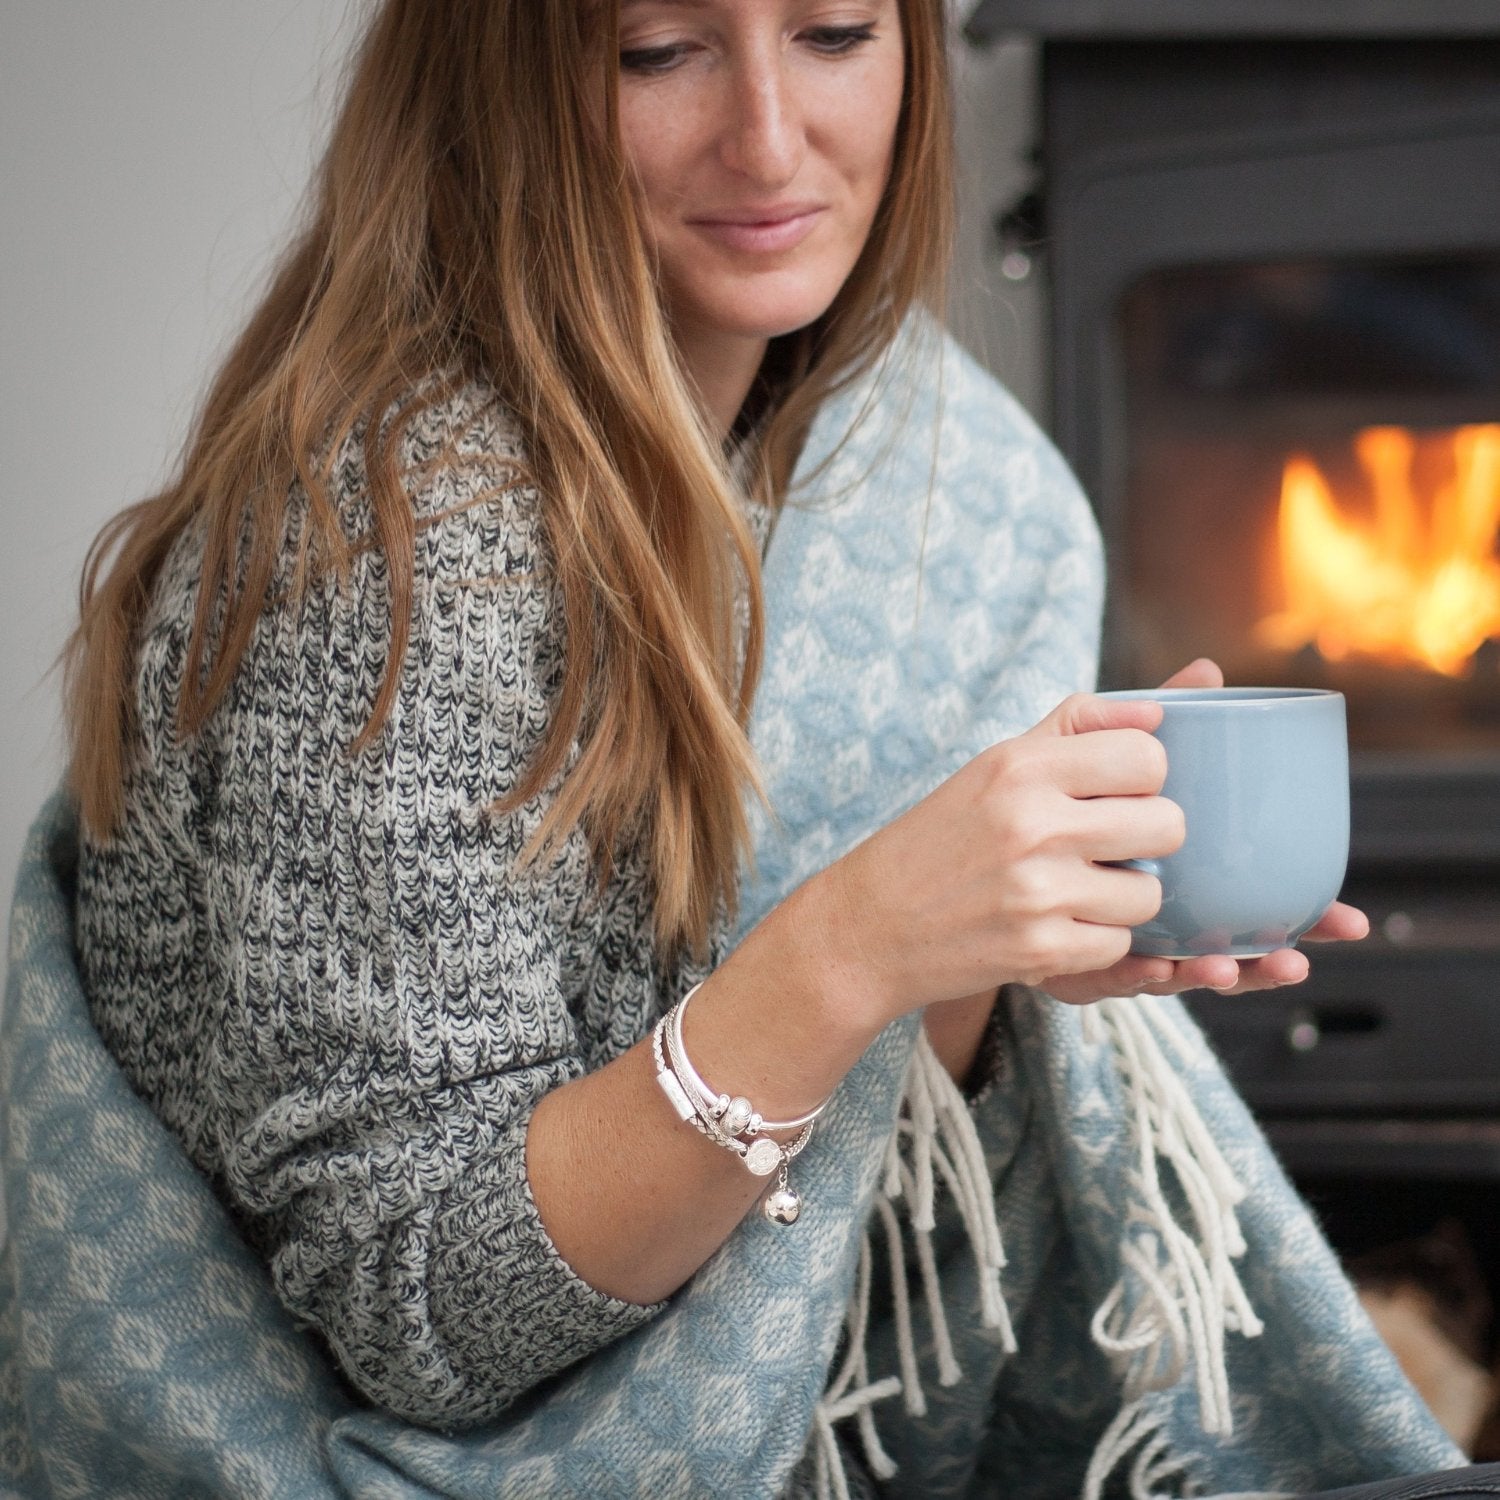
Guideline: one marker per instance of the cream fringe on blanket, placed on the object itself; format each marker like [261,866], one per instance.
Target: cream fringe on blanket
[1185,1294]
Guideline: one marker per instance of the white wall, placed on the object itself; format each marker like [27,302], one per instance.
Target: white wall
[151,154]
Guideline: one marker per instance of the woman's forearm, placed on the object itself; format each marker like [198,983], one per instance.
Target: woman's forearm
[635,1200]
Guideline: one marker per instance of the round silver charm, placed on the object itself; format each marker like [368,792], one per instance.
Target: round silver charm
[782,1207]
[763,1157]
[737,1116]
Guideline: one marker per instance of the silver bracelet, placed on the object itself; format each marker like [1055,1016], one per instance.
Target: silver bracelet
[761,1155]
[735,1114]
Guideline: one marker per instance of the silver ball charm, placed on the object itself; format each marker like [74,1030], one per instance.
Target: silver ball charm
[782,1206]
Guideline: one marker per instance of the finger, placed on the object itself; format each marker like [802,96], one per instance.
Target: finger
[1130,976]
[1229,976]
[1195,974]
[1091,948]
[1136,973]
[1214,971]
[1201,673]
[1116,898]
[1285,966]
[1339,924]
[1108,763]
[1121,828]
[1083,713]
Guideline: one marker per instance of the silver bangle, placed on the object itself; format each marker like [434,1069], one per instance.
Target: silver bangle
[734,1114]
[761,1155]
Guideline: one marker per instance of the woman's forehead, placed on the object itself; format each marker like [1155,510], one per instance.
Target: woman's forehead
[733,6]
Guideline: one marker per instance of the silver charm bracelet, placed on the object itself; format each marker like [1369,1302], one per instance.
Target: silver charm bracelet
[723,1119]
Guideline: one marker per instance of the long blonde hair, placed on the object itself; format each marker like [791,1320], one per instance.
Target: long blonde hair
[473,215]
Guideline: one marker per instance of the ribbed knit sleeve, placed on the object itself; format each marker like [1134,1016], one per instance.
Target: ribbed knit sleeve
[396,991]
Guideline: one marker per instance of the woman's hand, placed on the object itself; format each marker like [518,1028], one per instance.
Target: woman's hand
[1002,873]
[1163,976]
[1229,976]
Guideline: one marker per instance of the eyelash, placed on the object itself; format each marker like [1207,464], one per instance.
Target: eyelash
[831,41]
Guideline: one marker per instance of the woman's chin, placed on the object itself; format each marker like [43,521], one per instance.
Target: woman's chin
[763,325]
[758,310]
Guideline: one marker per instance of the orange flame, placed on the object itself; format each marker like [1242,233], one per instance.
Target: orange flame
[1412,582]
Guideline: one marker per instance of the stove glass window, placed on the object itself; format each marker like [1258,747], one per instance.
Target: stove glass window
[1312,488]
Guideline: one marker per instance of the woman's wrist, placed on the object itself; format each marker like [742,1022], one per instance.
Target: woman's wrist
[956,1030]
[824,944]
[788,1013]
[852,942]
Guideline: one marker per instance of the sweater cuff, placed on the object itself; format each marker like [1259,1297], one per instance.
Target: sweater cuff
[512,1310]
[989,1060]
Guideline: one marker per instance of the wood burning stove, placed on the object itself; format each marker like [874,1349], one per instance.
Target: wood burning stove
[1273,243]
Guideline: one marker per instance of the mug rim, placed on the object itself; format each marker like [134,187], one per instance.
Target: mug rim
[1210,697]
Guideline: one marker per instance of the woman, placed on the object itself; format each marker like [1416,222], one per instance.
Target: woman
[411,750]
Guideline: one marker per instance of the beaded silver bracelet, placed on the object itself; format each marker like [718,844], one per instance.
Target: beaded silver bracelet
[696,1104]
[734,1114]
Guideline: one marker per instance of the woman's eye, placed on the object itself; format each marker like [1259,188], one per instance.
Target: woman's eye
[835,40]
[831,41]
[651,59]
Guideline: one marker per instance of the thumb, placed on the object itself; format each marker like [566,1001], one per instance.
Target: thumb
[1085,713]
[1201,673]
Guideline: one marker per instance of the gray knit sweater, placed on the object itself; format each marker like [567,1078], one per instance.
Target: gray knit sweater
[328,975]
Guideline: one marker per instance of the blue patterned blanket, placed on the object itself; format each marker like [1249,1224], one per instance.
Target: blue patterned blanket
[1093,1276]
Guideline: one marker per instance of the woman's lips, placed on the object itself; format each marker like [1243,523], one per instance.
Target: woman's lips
[777,231]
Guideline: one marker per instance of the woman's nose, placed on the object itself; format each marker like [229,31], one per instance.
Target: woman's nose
[766,139]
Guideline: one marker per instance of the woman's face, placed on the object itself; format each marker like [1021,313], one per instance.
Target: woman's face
[761,133]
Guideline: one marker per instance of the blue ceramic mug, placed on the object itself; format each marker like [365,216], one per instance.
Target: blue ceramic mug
[1262,778]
